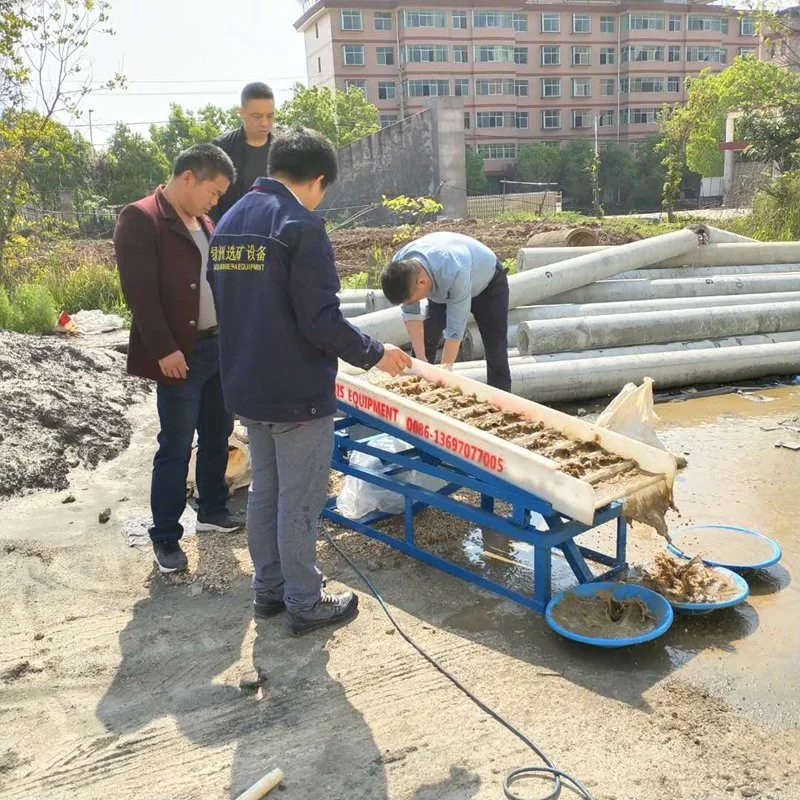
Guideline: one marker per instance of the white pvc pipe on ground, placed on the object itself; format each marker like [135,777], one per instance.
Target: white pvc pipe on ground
[537,284]
[621,330]
[636,289]
[584,378]
[514,357]
[560,310]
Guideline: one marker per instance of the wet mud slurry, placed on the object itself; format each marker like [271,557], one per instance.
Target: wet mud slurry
[688,581]
[603,617]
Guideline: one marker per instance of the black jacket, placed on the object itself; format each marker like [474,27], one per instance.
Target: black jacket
[233,143]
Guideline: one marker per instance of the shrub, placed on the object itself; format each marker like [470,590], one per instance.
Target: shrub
[32,310]
[5,308]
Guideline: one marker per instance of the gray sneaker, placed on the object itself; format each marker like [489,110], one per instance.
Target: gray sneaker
[330,609]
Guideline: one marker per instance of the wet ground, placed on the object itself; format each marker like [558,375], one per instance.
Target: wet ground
[145,689]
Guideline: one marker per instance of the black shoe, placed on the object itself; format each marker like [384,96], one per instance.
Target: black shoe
[220,521]
[330,609]
[169,556]
[264,608]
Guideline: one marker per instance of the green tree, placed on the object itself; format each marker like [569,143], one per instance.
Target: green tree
[648,176]
[476,179]
[617,172]
[185,128]
[773,135]
[42,67]
[538,163]
[134,166]
[575,173]
[341,116]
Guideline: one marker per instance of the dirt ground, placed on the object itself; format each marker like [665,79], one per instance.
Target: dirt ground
[117,683]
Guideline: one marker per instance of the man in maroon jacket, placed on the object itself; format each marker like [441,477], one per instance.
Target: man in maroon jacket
[161,244]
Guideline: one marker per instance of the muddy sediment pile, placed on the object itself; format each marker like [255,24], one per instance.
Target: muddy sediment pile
[61,406]
[603,616]
[688,581]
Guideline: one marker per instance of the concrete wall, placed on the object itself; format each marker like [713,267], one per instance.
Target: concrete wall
[422,155]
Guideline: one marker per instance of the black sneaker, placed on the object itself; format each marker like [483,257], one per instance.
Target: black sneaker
[169,556]
[220,521]
[264,608]
[330,609]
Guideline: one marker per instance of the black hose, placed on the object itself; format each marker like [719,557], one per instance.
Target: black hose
[515,775]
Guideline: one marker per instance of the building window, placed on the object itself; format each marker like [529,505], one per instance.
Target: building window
[385,56]
[489,119]
[460,54]
[581,87]
[521,120]
[581,57]
[489,86]
[418,18]
[747,26]
[607,87]
[642,54]
[646,85]
[606,119]
[462,87]
[383,21]
[387,90]
[551,119]
[520,87]
[424,53]
[551,56]
[673,83]
[674,23]
[353,55]
[351,19]
[551,23]
[460,20]
[581,118]
[496,53]
[643,116]
[520,23]
[645,22]
[581,23]
[520,55]
[700,22]
[467,121]
[496,19]
[356,84]
[426,88]
[386,120]
[551,87]
[716,55]
[674,52]
[608,55]
[607,24]
[497,151]
[748,51]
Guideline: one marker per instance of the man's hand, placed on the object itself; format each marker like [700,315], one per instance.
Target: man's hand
[394,360]
[174,365]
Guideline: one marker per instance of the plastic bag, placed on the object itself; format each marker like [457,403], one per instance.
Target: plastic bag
[359,498]
[632,414]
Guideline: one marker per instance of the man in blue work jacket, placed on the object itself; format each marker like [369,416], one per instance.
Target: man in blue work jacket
[458,275]
[274,280]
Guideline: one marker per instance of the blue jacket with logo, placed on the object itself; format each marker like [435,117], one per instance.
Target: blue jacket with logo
[281,331]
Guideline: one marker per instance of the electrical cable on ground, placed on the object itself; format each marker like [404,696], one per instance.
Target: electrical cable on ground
[560,778]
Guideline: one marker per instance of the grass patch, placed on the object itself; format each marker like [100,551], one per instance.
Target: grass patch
[30,308]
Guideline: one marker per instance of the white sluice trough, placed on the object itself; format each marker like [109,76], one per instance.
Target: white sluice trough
[522,468]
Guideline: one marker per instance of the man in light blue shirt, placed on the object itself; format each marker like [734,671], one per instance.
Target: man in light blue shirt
[458,275]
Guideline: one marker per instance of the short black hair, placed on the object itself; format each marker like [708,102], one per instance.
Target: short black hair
[205,161]
[301,154]
[397,280]
[257,91]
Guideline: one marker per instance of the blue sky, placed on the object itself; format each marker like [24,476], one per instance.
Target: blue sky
[203,56]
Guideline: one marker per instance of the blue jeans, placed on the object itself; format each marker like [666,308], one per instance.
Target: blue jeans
[194,404]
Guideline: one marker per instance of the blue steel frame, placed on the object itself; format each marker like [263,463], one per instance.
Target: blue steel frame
[461,474]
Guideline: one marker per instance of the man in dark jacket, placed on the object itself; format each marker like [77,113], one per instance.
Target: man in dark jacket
[248,146]
[161,243]
[281,334]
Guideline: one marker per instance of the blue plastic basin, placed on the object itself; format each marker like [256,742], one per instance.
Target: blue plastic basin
[773,558]
[657,605]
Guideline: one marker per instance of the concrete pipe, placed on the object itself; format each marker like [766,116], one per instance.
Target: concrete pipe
[723,255]
[376,301]
[353,309]
[569,237]
[719,236]
[354,295]
[635,289]
[537,284]
[560,310]
[472,344]
[514,356]
[621,330]
[664,273]
[584,378]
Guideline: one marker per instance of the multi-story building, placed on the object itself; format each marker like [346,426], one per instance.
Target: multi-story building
[526,70]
